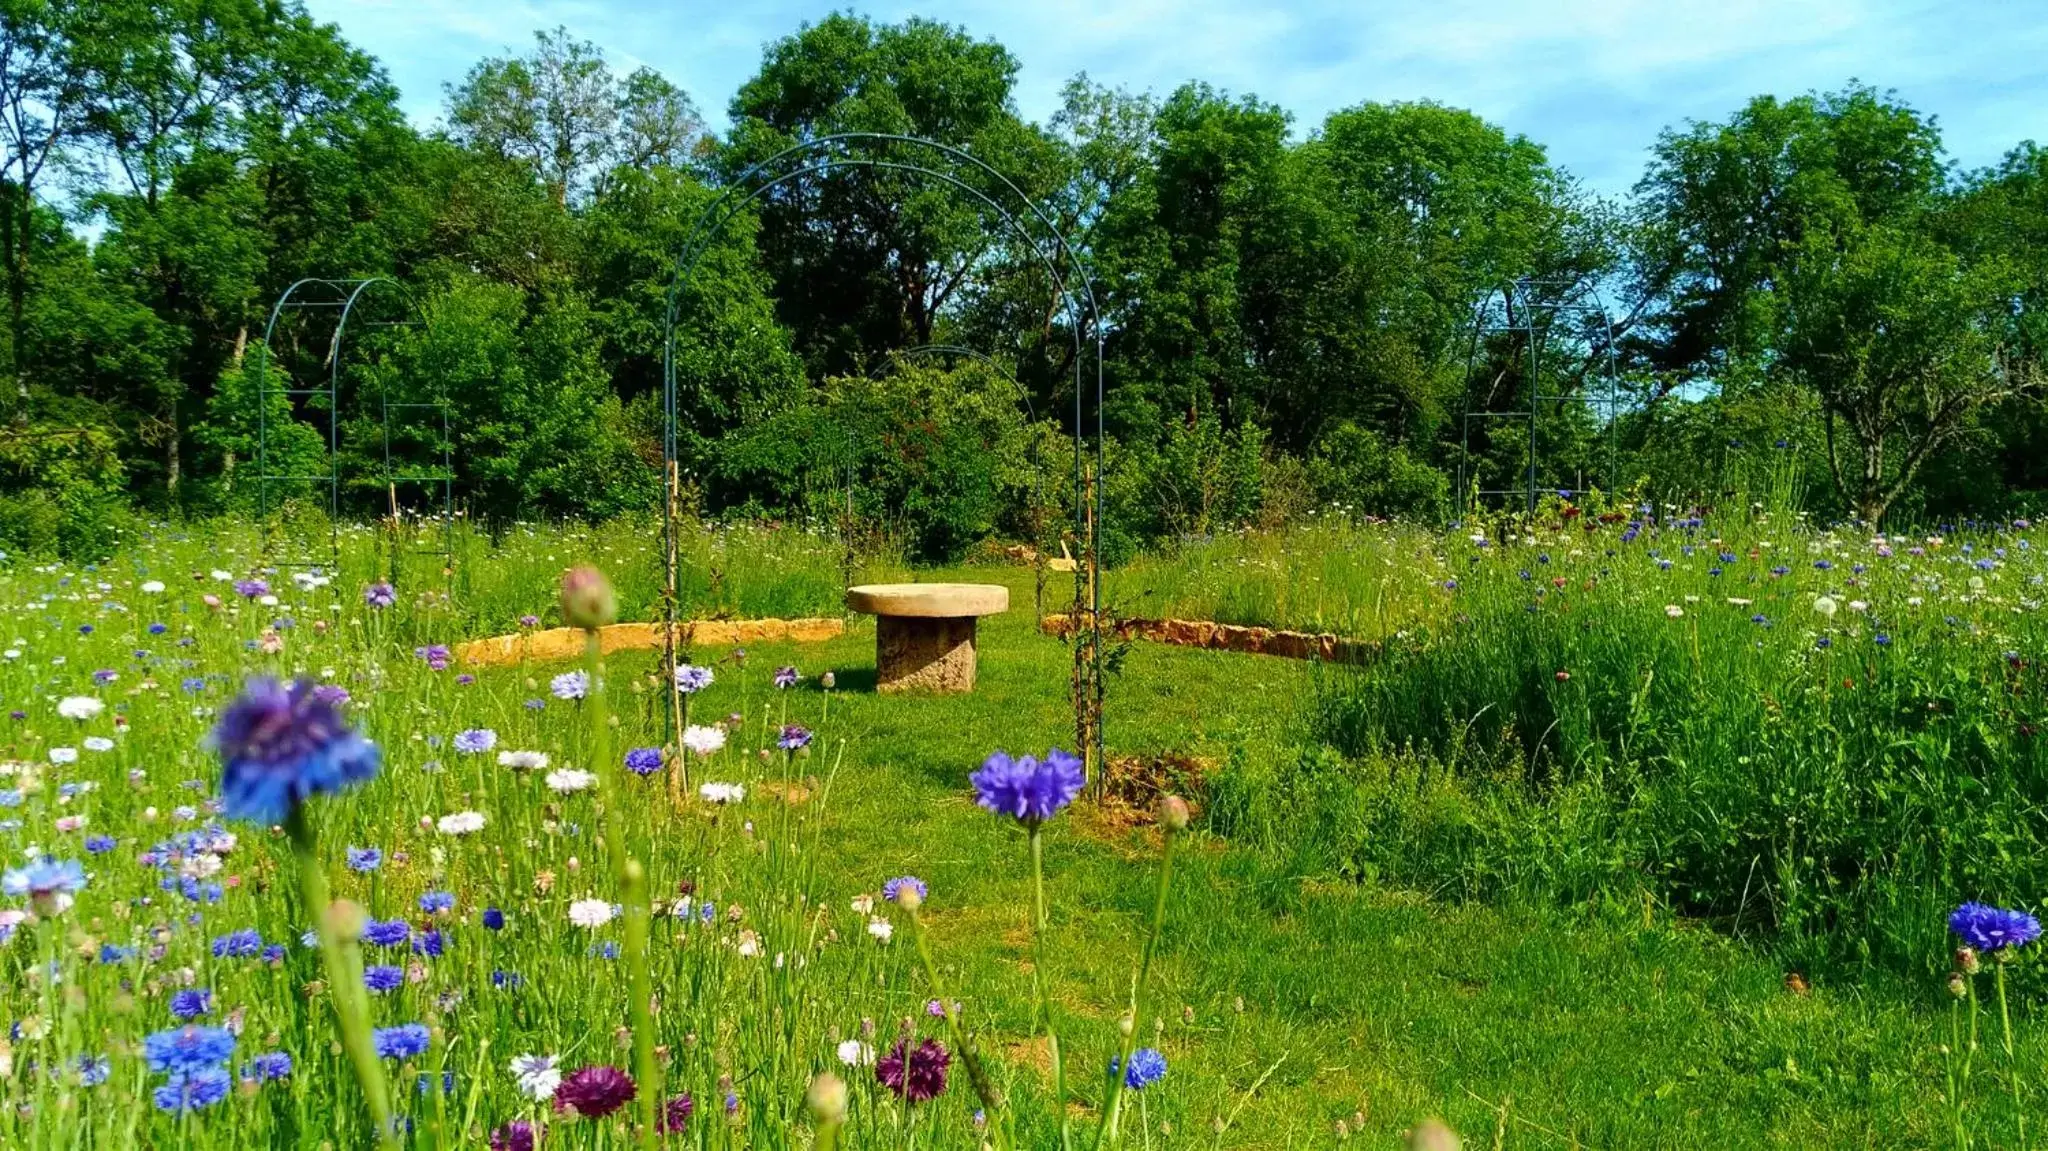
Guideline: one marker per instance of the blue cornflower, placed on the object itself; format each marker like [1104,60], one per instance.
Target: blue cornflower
[364,859]
[691,678]
[191,1003]
[476,739]
[1781,570]
[426,1083]
[10,797]
[279,745]
[191,1091]
[1988,928]
[570,685]
[381,977]
[267,1067]
[1147,1067]
[113,953]
[437,901]
[494,920]
[386,932]
[405,1041]
[787,677]
[643,760]
[99,844]
[273,953]
[1881,640]
[430,943]
[48,883]
[894,888]
[158,628]
[238,944]
[795,736]
[183,1050]
[1025,788]
[1822,565]
[93,1070]
[506,979]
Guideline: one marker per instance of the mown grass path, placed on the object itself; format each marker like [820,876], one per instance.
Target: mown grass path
[1597,1028]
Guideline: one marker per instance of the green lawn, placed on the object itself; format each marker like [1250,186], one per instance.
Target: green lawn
[1315,1001]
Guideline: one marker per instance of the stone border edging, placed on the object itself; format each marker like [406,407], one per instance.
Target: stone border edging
[563,643]
[1228,637]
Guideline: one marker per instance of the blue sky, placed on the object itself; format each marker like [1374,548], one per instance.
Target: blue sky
[1592,80]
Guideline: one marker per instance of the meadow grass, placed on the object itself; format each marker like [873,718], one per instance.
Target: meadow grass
[1295,1006]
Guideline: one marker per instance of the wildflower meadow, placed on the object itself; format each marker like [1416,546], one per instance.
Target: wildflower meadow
[1750,800]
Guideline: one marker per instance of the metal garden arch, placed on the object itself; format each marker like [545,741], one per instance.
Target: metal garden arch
[342,297]
[1527,309]
[1077,293]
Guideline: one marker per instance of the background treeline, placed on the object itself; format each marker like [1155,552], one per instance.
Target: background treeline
[1809,302]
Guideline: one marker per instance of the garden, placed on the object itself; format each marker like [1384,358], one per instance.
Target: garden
[885,621]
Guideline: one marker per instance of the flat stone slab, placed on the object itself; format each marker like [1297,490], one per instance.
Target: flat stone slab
[929,600]
[924,632]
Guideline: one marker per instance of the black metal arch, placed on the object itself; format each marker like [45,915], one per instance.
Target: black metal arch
[927,351]
[1527,308]
[314,293]
[1077,293]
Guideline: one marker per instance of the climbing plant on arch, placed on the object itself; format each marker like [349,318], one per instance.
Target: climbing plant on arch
[1027,222]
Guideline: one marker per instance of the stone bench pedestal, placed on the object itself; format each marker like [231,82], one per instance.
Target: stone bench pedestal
[924,632]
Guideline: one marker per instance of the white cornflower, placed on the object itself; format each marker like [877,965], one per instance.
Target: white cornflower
[537,1076]
[703,740]
[523,760]
[62,755]
[722,792]
[568,779]
[1673,610]
[854,1053]
[461,823]
[80,706]
[98,743]
[881,929]
[153,587]
[750,944]
[590,913]
[1826,606]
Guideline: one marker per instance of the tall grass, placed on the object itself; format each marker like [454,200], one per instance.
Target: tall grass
[1800,733]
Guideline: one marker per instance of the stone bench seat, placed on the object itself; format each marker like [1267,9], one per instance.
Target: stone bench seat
[924,632]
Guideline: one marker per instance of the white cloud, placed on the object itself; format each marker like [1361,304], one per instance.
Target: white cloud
[1594,80]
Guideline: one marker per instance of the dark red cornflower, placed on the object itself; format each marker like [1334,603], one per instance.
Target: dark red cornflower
[915,1074]
[594,1091]
[676,1112]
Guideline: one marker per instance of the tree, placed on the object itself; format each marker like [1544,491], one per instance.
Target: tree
[1899,339]
[561,114]
[41,114]
[866,260]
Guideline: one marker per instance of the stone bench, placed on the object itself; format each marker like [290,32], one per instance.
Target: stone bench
[924,632]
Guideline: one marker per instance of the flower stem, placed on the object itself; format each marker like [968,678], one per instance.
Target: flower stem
[977,1075]
[632,878]
[1107,1131]
[1041,983]
[2012,1064]
[344,965]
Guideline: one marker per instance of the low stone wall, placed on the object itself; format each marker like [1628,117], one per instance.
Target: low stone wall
[563,643]
[1227,637]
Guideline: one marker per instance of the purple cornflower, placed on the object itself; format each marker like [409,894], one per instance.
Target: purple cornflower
[786,677]
[529,620]
[251,588]
[1028,789]
[793,737]
[914,1074]
[476,739]
[1988,928]
[364,859]
[518,1135]
[594,1091]
[436,655]
[570,685]
[893,889]
[690,678]
[643,760]
[380,595]
[280,745]
[675,1112]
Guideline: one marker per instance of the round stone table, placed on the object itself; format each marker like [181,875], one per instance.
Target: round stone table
[924,632]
